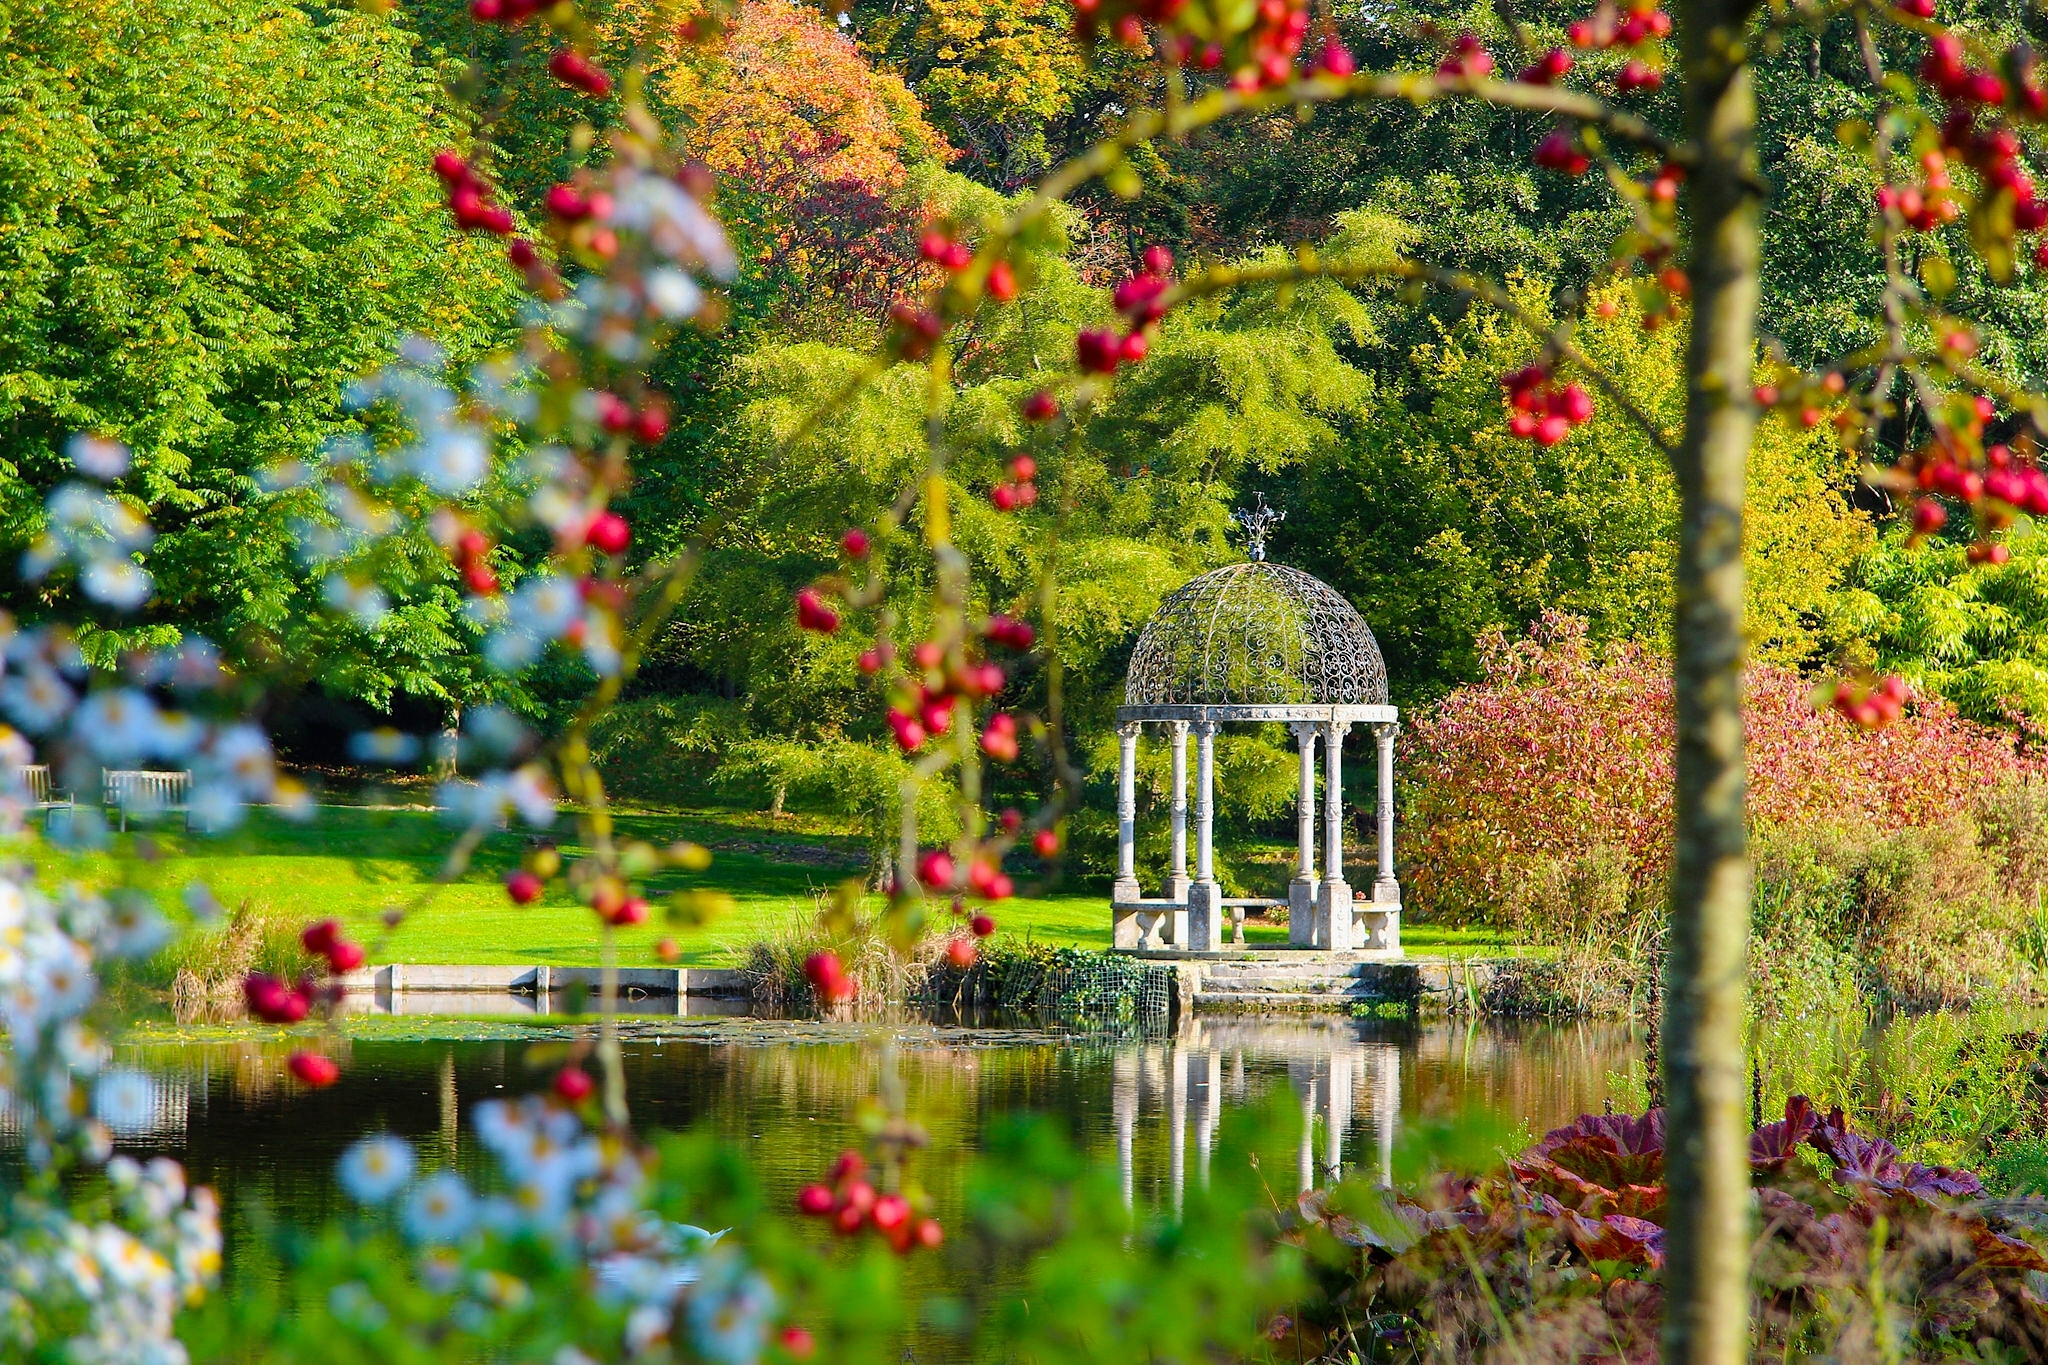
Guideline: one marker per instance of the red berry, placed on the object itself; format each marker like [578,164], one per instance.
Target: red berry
[523,887]
[1097,351]
[1041,407]
[929,1233]
[1133,348]
[891,1210]
[344,956]
[486,11]
[935,870]
[1766,396]
[567,203]
[521,253]
[1002,282]
[608,533]
[1158,261]
[798,1342]
[827,977]
[630,911]
[813,614]
[961,953]
[321,935]
[482,579]
[1046,842]
[1024,468]
[1004,497]
[314,1069]
[573,1084]
[815,1200]
[451,167]
[650,424]
[869,662]
[982,926]
[847,1165]
[855,543]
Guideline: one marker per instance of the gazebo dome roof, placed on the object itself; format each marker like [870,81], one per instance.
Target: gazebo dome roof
[1256,634]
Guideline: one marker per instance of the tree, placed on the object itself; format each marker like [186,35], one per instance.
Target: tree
[210,232]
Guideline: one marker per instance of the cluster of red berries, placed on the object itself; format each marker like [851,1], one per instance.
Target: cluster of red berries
[275,1002]
[1642,24]
[1468,59]
[812,613]
[1959,84]
[1871,707]
[1022,492]
[852,1204]
[828,978]
[615,904]
[472,549]
[646,424]
[323,939]
[1101,350]
[507,12]
[469,198]
[1560,151]
[314,1069]
[1275,40]
[999,738]
[578,72]
[938,874]
[913,330]
[1009,631]
[1542,410]
[1548,69]
[954,256]
[1925,206]
[927,711]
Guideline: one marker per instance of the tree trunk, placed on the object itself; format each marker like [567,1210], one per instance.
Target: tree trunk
[1707,1271]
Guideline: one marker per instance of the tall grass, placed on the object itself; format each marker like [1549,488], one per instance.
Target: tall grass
[202,972]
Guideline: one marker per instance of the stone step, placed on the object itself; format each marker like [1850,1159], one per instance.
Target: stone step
[1289,971]
[1258,1001]
[1318,985]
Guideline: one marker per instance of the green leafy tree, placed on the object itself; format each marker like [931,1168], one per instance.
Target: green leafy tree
[217,214]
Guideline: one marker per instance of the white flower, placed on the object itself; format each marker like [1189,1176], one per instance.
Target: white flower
[125,1101]
[452,461]
[375,1168]
[384,745]
[118,724]
[133,928]
[494,732]
[440,1210]
[215,806]
[37,698]
[242,752]
[118,583]
[646,1327]
[365,602]
[98,456]
[729,1313]
[673,294]
[547,603]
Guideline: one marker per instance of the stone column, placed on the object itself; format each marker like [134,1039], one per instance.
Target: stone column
[1301,892]
[1125,889]
[1333,917]
[1177,879]
[1205,897]
[1382,920]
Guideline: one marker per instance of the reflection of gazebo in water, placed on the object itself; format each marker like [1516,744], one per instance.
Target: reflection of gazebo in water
[1256,642]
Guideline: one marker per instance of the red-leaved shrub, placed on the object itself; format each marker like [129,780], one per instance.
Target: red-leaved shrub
[1565,750]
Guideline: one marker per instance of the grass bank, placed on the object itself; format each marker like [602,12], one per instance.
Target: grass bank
[355,862]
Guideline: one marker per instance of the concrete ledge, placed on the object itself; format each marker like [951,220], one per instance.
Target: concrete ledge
[436,978]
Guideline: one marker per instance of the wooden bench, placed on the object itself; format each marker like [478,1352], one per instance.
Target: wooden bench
[34,778]
[146,792]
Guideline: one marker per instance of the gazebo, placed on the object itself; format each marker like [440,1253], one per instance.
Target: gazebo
[1248,643]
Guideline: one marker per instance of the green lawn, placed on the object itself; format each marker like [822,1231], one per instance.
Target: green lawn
[355,862]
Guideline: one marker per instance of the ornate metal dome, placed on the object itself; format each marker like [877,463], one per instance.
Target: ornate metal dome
[1256,634]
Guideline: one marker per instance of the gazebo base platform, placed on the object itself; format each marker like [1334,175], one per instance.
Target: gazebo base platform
[1275,953]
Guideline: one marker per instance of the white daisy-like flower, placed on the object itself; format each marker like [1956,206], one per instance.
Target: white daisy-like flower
[375,1168]
[98,456]
[673,294]
[37,698]
[367,603]
[243,753]
[119,725]
[452,461]
[125,1101]
[440,1210]
[117,583]
[384,745]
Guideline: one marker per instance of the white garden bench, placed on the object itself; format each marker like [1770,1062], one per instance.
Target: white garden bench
[34,779]
[146,792]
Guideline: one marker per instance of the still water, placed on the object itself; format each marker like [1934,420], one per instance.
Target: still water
[785,1090]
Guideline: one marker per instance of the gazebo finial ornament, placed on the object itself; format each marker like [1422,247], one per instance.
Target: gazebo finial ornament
[1258,523]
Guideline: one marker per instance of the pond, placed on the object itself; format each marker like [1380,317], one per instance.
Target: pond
[785,1090]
